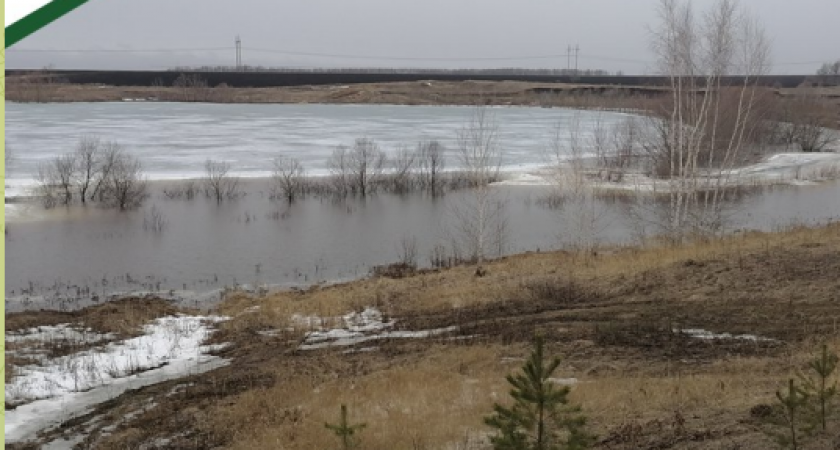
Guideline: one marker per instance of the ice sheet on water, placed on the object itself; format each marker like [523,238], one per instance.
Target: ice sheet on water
[250,136]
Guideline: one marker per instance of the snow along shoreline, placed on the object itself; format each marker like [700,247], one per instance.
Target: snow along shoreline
[58,389]
[794,169]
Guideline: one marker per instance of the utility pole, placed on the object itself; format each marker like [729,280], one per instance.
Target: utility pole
[569,58]
[577,54]
[238,53]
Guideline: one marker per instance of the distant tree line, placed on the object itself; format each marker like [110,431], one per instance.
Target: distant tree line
[396,70]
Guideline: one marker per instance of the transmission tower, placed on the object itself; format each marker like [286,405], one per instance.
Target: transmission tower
[238,53]
[569,57]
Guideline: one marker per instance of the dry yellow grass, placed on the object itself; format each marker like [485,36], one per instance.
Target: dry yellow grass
[439,400]
[458,288]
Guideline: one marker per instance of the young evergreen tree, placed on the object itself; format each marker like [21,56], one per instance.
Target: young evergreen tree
[346,432]
[540,417]
[791,405]
[818,387]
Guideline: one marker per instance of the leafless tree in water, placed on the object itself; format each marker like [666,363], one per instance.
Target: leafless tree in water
[55,180]
[573,190]
[218,183]
[109,153]
[432,162]
[480,216]
[288,178]
[126,186]
[339,166]
[402,170]
[705,128]
[88,160]
[366,164]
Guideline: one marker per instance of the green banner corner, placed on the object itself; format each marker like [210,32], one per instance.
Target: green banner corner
[39,19]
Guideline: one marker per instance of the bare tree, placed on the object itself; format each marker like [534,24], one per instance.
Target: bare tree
[478,147]
[803,121]
[193,88]
[339,165]
[829,73]
[288,177]
[407,251]
[109,153]
[366,163]
[218,183]
[126,186]
[574,194]
[88,165]
[480,220]
[402,170]
[432,160]
[55,180]
[625,145]
[706,125]
[154,220]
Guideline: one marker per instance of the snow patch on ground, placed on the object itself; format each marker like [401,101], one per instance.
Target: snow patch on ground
[167,339]
[564,381]
[64,387]
[699,333]
[354,328]
[24,422]
[62,332]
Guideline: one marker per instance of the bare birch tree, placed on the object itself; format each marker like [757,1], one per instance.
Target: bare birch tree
[288,178]
[480,217]
[706,127]
[574,194]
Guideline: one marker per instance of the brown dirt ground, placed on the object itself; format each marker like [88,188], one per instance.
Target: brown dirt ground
[399,93]
[610,316]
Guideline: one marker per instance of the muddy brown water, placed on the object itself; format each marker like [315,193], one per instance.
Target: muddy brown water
[63,258]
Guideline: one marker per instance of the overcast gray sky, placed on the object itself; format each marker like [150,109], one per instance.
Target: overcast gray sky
[612,34]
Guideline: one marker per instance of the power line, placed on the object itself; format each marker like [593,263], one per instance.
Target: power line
[115,50]
[406,58]
[571,52]
[288,52]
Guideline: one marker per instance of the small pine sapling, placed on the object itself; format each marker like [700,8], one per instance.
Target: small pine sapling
[791,407]
[819,388]
[346,432]
[541,417]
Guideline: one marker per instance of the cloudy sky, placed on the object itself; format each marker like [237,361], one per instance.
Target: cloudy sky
[612,34]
